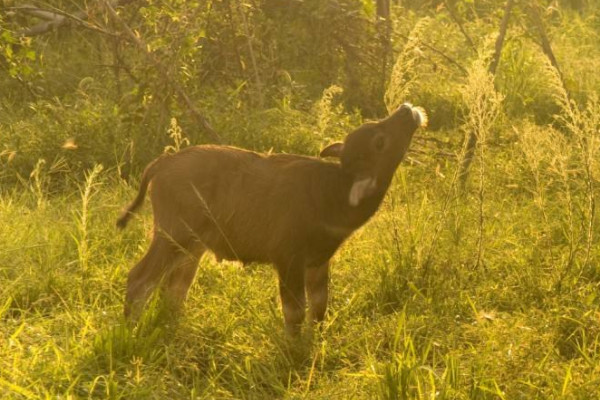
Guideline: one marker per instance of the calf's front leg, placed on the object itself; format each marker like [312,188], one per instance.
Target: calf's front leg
[293,298]
[317,282]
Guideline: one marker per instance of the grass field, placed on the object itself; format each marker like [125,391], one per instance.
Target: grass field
[484,292]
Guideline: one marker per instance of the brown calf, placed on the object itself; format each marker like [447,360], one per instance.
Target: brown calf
[289,210]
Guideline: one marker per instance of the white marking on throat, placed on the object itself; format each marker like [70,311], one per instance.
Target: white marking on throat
[360,190]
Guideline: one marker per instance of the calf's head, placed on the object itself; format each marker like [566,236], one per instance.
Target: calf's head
[371,154]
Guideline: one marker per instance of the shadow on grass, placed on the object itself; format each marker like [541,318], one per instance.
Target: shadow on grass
[112,366]
[246,362]
[201,357]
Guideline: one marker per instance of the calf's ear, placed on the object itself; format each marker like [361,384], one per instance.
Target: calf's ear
[333,150]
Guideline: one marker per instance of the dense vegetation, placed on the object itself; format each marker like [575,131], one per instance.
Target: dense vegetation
[478,279]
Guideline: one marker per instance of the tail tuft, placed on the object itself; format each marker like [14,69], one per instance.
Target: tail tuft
[123,219]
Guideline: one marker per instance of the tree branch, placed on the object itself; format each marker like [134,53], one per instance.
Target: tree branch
[55,18]
[536,19]
[257,80]
[34,12]
[501,34]
[457,20]
[440,53]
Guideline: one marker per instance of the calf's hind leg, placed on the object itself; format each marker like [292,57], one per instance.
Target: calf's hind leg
[179,279]
[147,274]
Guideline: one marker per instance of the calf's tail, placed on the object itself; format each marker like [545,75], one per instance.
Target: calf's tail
[139,199]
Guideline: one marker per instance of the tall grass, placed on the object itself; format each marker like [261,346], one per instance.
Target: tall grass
[582,124]
[404,72]
[483,104]
[87,191]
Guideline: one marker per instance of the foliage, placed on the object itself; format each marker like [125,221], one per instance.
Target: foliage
[16,54]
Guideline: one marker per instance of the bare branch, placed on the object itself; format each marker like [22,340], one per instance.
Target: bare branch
[34,12]
[501,34]
[536,19]
[257,80]
[56,18]
[440,53]
[458,21]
